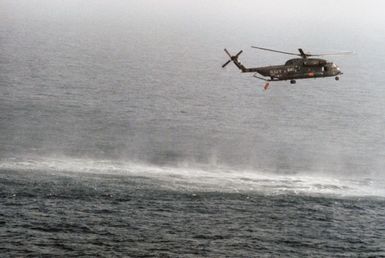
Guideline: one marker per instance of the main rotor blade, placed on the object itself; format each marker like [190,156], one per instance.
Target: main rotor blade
[277,51]
[303,53]
[334,54]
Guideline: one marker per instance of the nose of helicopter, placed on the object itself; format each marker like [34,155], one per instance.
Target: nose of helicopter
[339,70]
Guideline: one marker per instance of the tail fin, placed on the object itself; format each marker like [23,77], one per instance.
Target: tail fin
[235,60]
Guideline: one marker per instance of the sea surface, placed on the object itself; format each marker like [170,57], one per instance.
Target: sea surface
[122,136]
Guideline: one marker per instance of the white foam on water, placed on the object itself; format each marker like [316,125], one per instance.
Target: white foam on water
[203,178]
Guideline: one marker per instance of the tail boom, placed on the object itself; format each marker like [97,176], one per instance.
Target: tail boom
[238,64]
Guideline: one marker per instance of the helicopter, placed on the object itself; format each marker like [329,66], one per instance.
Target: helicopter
[304,67]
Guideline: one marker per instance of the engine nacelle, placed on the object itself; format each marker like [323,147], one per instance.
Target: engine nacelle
[314,62]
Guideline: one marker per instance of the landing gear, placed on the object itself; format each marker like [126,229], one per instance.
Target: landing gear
[337,78]
[292,81]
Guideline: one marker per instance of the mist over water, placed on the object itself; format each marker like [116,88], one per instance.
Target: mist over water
[114,101]
[206,178]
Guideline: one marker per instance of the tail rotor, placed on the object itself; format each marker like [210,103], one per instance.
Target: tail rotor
[232,58]
[223,66]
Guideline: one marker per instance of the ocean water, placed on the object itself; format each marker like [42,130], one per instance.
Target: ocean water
[121,135]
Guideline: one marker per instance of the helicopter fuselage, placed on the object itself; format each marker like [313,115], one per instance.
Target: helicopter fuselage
[305,67]
[297,68]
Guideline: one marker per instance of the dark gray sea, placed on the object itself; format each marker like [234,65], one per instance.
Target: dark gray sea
[122,136]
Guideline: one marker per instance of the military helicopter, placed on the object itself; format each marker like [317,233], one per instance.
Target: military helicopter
[304,67]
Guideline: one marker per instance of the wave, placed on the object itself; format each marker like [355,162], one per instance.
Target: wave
[207,178]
